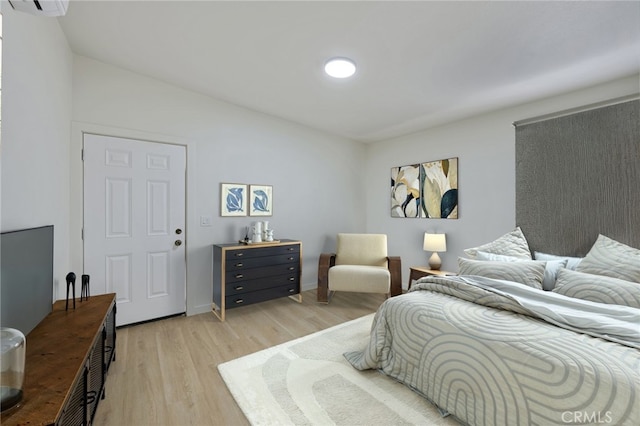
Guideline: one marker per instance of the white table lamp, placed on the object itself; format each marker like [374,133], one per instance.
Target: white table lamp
[435,243]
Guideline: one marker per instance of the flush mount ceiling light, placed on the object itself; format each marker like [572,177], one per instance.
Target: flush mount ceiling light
[340,67]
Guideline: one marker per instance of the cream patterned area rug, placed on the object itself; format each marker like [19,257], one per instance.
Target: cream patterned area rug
[307,381]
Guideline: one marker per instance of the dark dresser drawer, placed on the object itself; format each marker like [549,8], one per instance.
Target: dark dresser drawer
[263,261]
[260,283]
[267,271]
[259,296]
[244,253]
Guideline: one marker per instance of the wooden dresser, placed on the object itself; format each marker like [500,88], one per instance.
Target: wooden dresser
[245,274]
[67,358]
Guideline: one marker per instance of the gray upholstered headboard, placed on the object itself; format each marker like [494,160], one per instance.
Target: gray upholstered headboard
[577,176]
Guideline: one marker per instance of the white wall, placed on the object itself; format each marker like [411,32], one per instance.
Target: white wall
[317,178]
[36,115]
[322,184]
[485,147]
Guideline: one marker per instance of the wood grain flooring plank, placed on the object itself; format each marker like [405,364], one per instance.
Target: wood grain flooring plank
[165,373]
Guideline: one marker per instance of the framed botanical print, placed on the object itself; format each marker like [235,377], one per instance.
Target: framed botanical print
[405,190]
[261,200]
[439,189]
[233,199]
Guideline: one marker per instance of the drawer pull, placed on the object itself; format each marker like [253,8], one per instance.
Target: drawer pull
[292,279]
[292,290]
[290,249]
[238,288]
[291,268]
[239,301]
[239,276]
[239,265]
[291,258]
[239,254]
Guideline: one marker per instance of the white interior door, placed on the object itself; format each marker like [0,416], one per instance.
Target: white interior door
[134,217]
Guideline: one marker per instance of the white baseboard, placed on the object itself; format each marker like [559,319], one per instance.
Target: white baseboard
[200,309]
[309,286]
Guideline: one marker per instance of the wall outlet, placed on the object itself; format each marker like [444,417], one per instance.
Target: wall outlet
[205,220]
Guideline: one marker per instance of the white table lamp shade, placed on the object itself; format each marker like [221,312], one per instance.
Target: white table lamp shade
[435,242]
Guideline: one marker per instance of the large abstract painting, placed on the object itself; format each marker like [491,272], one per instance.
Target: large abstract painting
[428,190]
[439,189]
[405,191]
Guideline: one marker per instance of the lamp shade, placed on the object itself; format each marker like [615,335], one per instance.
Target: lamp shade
[435,242]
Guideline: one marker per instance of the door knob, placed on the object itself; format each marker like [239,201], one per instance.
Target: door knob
[178,231]
[178,243]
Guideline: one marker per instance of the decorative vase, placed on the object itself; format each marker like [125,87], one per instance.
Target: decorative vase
[257,232]
[269,235]
[13,348]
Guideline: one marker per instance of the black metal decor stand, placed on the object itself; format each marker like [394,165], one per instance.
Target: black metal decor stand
[84,292]
[71,281]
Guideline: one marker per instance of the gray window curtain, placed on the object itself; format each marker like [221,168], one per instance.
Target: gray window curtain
[577,176]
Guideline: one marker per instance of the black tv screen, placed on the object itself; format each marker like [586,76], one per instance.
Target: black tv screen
[26,280]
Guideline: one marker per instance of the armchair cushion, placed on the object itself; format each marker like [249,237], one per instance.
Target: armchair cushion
[359,278]
[361,249]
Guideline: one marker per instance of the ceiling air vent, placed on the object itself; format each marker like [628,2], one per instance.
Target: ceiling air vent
[41,7]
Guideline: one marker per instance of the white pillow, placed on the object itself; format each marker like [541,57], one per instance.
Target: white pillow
[572,262]
[527,272]
[612,259]
[484,255]
[550,271]
[511,244]
[598,288]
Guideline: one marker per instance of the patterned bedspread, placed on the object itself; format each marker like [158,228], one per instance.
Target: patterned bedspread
[495,360]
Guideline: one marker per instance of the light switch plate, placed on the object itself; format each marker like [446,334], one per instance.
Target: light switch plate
[205,220]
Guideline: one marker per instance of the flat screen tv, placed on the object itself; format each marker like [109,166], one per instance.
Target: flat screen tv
[26,279]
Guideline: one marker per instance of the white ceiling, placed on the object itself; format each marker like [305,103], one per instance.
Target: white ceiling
[420,63]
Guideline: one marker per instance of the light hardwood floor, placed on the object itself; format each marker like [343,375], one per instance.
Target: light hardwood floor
[166,373]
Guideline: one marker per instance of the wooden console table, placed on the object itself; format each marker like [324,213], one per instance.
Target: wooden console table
[67,357]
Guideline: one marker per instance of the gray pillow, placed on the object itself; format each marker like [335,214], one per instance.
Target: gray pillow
[598,288]
[550,270]
[527,272]
[612,259]
[572,262]
[511,244]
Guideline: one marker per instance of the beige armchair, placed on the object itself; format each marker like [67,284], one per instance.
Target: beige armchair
[360,264]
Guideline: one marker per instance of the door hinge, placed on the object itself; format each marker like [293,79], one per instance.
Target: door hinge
[82,155]
[82,234]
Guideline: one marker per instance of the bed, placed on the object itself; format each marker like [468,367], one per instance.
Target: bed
[492,347]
